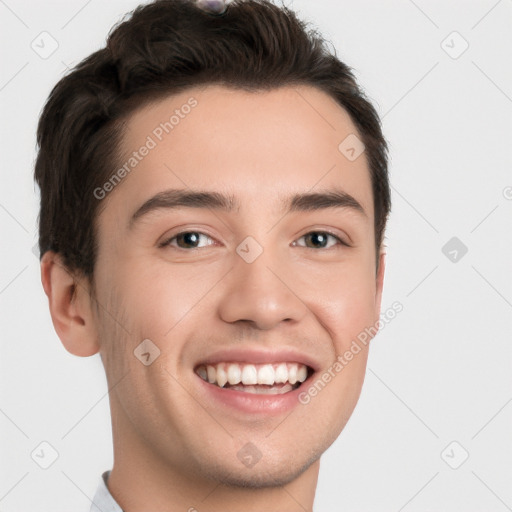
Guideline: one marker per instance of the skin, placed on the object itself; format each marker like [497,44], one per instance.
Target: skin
[174,449]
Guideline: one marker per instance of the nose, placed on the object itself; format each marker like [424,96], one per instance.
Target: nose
[261,294]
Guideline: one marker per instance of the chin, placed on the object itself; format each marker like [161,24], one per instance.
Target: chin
[262,475]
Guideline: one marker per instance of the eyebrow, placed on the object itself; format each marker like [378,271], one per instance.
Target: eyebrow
[178,198]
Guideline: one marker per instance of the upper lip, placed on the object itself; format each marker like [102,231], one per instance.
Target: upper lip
[260,356]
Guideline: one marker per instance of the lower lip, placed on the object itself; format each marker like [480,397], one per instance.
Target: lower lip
[254,403]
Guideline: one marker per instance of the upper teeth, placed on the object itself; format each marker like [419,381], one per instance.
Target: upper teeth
[250,374]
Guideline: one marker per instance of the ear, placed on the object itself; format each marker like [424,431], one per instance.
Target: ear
[70,306]
[379,283]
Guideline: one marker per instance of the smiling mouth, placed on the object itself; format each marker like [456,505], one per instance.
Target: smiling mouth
[269,379]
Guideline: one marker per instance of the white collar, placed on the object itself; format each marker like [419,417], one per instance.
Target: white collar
[103,500]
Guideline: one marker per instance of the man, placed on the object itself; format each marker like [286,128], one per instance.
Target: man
[214,195]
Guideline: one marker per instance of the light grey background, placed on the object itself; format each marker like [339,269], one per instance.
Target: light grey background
[439,372]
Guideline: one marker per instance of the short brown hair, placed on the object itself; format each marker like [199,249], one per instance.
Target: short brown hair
[164,48]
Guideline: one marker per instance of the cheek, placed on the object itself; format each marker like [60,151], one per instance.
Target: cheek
[159,298]
[344,302]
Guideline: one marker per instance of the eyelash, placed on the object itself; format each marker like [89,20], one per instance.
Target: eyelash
[167,242]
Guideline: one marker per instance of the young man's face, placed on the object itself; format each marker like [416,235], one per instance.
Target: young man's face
[267,283]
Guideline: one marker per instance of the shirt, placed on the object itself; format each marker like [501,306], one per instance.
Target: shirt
[103,500]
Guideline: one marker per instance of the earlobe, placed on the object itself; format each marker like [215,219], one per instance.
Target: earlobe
[70,306]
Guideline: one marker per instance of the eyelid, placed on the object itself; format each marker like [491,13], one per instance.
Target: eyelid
[338,233]
[339,238]
[168,238]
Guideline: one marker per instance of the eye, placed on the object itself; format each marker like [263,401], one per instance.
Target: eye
[319,240]
[188,240]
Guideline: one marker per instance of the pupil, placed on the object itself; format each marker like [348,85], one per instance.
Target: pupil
[318,238]
[190,239]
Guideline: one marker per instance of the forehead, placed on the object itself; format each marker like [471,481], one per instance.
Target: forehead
[259,146]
